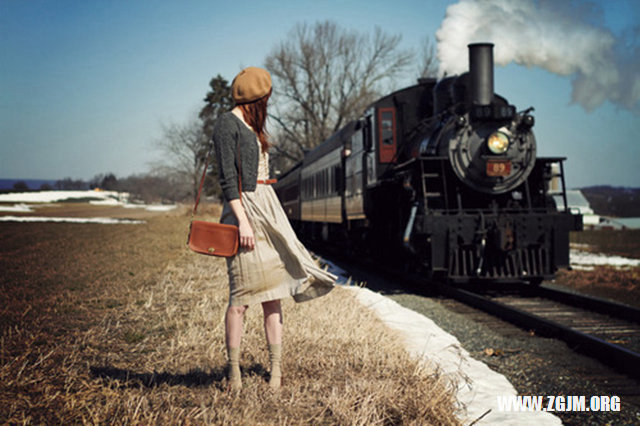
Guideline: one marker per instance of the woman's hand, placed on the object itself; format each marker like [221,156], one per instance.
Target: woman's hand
[247,239]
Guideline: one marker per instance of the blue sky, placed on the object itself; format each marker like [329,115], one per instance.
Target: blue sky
[86,85]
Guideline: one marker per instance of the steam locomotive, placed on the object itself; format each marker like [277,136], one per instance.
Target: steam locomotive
[440,177]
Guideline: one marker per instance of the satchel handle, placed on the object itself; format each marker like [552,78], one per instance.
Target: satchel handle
[204,174]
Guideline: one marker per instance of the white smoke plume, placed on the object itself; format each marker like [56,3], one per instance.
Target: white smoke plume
[543,34]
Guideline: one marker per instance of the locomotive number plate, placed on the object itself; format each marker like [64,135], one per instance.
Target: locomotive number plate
[498,167]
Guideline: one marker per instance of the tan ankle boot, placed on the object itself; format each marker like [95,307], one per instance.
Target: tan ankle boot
[233,369]
[275,352]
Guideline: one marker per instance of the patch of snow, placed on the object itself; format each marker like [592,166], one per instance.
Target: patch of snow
[16,208]
[584,260]
[101,198]
[101,220]
[579,245]
[160,207]
[479,387]
[151,207]
[54,196]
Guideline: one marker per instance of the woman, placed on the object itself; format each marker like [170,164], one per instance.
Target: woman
[271,263]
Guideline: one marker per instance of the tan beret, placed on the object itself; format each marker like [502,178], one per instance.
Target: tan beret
[250,85]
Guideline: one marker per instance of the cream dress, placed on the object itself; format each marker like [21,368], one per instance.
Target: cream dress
[279,265]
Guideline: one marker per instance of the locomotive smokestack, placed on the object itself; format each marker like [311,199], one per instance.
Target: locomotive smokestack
[481,73]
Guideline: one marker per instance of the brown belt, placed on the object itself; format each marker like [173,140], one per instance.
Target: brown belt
[267,182]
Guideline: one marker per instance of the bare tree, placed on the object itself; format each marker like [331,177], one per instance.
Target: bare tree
[184,151]
[428,59]
[153,188]
[323,77]
[68,183]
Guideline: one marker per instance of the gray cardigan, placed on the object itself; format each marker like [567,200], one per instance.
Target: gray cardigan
[230,134]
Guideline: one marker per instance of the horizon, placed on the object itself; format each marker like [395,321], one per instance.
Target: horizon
[4,180]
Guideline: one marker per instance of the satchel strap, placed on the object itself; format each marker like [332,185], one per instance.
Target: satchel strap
[204,174]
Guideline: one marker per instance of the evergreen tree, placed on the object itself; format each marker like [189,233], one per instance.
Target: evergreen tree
[218,101]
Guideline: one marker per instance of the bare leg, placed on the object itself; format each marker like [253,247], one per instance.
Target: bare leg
[233,336]
[233,325]
[272,321]
[273,330]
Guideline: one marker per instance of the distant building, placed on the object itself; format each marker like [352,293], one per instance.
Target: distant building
[578,203]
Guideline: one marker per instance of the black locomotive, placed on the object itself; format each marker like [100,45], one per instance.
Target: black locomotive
[442,176]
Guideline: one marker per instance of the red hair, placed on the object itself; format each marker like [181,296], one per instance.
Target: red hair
[255,114]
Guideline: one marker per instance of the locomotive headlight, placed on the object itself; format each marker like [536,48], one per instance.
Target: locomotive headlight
[498,143]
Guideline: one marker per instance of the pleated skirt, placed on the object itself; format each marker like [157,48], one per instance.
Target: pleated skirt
[279,266]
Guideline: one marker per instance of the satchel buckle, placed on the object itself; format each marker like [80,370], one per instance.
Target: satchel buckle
[211,250]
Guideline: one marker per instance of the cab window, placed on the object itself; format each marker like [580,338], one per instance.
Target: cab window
[387,134]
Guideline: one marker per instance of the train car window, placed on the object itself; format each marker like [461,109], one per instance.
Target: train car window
[387,134]
[330,180]
[356,142]
[326,181]
[386,126]
[366,134]
[325,173]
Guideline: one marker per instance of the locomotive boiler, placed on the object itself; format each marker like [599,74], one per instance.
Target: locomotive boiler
[441,177]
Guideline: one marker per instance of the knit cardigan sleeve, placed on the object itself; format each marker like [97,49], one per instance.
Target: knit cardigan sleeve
[225,141]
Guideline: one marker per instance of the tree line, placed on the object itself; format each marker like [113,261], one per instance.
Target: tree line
[152,187]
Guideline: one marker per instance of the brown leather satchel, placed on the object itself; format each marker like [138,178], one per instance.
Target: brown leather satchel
[212,238]
[215,239]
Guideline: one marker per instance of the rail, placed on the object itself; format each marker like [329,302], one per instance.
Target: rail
[621,359]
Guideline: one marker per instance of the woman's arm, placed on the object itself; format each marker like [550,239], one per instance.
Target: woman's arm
[225,141]
[247,239]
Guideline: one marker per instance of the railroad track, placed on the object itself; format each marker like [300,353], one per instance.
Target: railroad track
[598,328]
[604,330]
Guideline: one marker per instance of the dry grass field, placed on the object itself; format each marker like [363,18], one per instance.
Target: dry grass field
[624,243]
[122,324]
[621,284]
